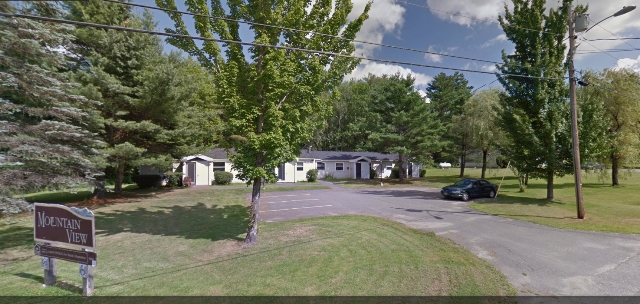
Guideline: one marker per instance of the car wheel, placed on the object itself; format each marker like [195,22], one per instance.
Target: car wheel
[492,194]
[465,196]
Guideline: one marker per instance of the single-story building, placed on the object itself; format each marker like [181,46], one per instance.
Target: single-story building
[356,165]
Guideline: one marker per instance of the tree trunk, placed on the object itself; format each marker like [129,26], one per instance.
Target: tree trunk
[119,178]
[526,179]
[99,189]
[550,185]
[400,167]
[614,171]
[463,161]
[252,233]
[484,162]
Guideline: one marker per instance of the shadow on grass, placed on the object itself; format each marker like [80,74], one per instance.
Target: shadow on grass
[16,237]
[190,222]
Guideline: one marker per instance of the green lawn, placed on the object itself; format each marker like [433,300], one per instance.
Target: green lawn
[188,242]
[608,209]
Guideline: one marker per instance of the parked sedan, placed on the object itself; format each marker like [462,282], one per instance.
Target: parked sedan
[470,187]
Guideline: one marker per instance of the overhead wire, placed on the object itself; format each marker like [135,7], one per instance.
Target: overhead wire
[119,28]
[310,32]
[614,35]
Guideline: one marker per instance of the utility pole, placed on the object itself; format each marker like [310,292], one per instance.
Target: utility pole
[577,174]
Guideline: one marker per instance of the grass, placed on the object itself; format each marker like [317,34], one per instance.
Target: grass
[187,242]
[608,209]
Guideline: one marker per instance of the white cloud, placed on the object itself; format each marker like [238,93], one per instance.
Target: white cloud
[465,12]
[423,94]
[433,57]
[488,67]
[384,17]
[628,63]
[499,38]
[380,69]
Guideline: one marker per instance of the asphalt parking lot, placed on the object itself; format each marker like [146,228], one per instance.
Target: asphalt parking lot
[538,260]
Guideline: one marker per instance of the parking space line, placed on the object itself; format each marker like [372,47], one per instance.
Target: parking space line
[296,208]
[287,195]
[300,200]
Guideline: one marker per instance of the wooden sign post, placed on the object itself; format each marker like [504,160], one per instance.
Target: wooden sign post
[57,225]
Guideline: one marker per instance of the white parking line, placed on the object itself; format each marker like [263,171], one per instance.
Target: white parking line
[300,200]
[287,195]
[296,208]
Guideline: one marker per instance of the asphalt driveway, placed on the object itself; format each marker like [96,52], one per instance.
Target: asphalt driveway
[538,260]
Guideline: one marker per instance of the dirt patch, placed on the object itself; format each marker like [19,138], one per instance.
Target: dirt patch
[296,233]
[13,255]
[220,249]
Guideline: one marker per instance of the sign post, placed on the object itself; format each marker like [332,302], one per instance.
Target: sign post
[56,226]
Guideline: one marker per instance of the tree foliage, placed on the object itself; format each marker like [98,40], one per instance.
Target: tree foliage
[448,93]
[152,103]
[482,111]
[272,98]
[611,119]
[402,122]
[535,114]
[46,137]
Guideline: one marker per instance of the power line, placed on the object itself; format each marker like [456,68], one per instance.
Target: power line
[607,50]
[473,18]
[614,35]
[614,57]
[484,85]
[260,45]
[302,31]
[317,52]
[619,38]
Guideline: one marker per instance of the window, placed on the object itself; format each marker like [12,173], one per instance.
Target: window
[218,166]
[339,166]
[321,166]
[388,168]
[300,167]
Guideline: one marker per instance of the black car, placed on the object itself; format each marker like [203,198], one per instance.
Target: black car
[470,187]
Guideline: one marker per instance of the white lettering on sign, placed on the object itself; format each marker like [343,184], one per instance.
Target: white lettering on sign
[68,224]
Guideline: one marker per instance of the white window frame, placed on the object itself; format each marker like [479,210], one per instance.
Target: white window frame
[217,168]
[323,166]
[299,166]
[341,167]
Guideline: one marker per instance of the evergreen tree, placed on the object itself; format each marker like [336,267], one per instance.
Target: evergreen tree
[46,131]
[448,93]
[402,121]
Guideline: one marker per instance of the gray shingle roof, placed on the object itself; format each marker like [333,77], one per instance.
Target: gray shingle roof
[220,153]
[343,155]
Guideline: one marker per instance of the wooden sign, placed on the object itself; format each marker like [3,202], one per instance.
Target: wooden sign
[68,226]
[78,256]
[60,224]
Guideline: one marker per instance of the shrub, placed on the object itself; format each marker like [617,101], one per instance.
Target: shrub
[328,176]
[501,161]
[222,177]
[395,172]
[372,173]
[147,181]
[423,172]
[175,179]
[312,175]
[12,206]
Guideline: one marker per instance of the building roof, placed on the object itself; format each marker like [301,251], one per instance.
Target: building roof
[345,155]
[220,153]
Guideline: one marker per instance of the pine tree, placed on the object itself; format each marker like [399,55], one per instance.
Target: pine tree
[47,135]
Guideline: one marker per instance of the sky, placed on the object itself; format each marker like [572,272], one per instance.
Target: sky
[466,28]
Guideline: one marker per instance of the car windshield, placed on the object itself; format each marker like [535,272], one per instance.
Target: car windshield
[464,183]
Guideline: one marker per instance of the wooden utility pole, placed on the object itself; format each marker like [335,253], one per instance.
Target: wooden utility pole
[577,174]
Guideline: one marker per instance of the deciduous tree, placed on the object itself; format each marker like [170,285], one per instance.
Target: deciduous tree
[534,110]
[272,97]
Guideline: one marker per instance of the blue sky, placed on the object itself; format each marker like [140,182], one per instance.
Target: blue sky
[465,28]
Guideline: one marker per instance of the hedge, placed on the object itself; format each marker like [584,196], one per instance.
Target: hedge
[312,175]
[147,181]
[222,177]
